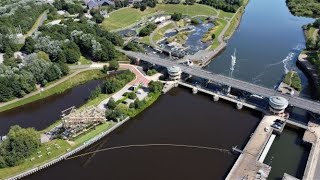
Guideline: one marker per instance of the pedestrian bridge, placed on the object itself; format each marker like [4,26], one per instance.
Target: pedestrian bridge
[299,102]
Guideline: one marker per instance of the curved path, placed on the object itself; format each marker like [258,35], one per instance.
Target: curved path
[151,145]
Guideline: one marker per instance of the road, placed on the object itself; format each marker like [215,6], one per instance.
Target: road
[235,83]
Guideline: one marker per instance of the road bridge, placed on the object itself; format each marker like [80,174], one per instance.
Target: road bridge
[299,102]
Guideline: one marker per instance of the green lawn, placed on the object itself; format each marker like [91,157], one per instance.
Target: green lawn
[93,132]
[125,17]
[27,164]
[160,33]
[74,81]
[128,16]
[221,24]
[225,14]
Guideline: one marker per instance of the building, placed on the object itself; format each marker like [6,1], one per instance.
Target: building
[97,3]
[159,19]
[277,104]
[174,73]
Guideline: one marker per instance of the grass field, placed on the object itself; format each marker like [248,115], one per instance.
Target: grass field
[221,24]
[191,10]
[74,81]
[127,16]
[225,14]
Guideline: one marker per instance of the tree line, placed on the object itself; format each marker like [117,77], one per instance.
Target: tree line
[225,5]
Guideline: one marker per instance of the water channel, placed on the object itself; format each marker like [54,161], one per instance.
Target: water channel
[176,118]
[267,44]
[42,113]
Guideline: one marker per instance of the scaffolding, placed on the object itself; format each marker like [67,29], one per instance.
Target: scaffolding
[75,122]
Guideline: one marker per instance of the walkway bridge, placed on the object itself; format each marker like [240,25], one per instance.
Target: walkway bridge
[299,102]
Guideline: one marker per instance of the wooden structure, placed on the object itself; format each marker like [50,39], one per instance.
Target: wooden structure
[76,121]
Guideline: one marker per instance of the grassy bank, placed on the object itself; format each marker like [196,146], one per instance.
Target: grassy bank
[219,26]
[68,84]
[234,23]
[292,79]
[161,32]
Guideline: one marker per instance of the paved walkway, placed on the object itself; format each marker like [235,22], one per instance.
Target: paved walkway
[140,79]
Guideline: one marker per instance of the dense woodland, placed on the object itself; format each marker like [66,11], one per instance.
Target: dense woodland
[51,48]
[309,8]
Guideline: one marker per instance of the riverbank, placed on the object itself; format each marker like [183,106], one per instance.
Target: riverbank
[72,80]
[224,33]
[61,149]
[310,70]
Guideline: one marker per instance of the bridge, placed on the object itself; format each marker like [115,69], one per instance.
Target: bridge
[299,102]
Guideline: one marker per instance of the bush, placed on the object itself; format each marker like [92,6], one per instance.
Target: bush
[213,36]
[95,93]
[151,72]
[155,86]
[132,95]
[176,16]
[131,46]
[147,30]
[111,103]
[195,21]
[118,81]
[113,65]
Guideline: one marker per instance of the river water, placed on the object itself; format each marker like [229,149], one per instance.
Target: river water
[267,44]
[176,118]
[42,113]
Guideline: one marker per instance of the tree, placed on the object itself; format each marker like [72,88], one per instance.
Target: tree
[43,55]
[155,86]
[113,65]
[95,93]
[213,36]
[143,7]
[176,16]
[132,95]
[191,2]
[20,144]
[111,103]
[72,56]
[29,45]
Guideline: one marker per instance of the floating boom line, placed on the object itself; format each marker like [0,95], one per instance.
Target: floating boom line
[151,145]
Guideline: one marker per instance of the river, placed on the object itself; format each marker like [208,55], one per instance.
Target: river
[42,113]
[267,44]
[176,118]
